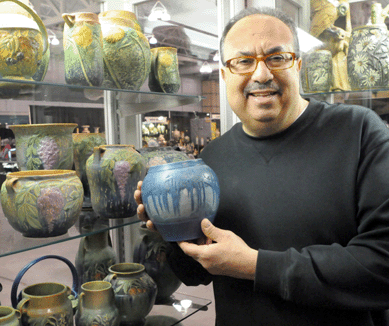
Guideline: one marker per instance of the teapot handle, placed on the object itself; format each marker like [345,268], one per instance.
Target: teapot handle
[39,22]
[15,298]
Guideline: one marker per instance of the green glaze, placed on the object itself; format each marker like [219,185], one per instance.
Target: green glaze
[83,50]
[162,155]
[127,55]
[9,316]
[113,172]
[135,291]
[316,71]
[44,146]
[164,74]
[96,305]
[43,66]
[83,144]
[42,203]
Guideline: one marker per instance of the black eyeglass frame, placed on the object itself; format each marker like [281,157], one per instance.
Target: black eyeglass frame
[228,62]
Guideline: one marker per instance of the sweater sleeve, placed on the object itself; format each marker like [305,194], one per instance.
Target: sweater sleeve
[353,276]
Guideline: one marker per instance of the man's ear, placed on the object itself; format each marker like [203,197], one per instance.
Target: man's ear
[299,63]
[223,73]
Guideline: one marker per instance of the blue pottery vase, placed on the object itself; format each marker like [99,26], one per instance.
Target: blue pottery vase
[178,196]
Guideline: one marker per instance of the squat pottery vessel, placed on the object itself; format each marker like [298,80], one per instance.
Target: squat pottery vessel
[127,53]
[23,42]
[150,251]
[44,146]
[164,75]
[96,305]
[177,196]
[162,155]
[113,172]
[316,72]
[42,203]
[83,49]
[135,292]
[9,316]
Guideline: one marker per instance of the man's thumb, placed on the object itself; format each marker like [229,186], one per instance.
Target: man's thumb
[209,230]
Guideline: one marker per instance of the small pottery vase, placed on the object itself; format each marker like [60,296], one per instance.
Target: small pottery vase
[150,251]
[83,144]
[23,43]
[45,303]
[94,256]
[162,155]
[83,49]
[164,75]
[44,146]
[42,203]
[178,196]
[368,57]
[96,305]
[316,72]
[135,292]
[113,172]
[9,316]
[127,53]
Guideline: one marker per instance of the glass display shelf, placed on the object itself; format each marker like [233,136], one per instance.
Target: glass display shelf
[177,309]
[365,93]
[12,241]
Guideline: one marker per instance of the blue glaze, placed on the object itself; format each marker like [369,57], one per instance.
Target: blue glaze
[177,196]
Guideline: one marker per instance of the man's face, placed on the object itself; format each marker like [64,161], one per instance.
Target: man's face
[266,102]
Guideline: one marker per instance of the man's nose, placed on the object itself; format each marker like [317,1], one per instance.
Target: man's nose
[262,73]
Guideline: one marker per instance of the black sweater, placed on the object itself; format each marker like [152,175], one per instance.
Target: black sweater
[314,200]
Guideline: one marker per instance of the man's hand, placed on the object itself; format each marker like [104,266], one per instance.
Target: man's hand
[141,208]
[228,254]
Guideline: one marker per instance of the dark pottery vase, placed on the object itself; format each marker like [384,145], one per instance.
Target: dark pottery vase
[45,303]
[150,251]
[316,72]
[162,155]
[368,57]
[9,316]
[127,53]
[135,292]
[96,305]
[94,256]
[164,74]
[42,203]
[46,146]
[178,196]
[113,173]
[83,49]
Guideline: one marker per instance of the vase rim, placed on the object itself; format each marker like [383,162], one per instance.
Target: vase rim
[116,146]
[175,165]
[164,48]
[42,125]
[40,173]
[371,25]
[96,286]
[6,313]
[126,268]
[60,289]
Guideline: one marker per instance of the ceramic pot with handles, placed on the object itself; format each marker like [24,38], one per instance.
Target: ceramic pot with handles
[9,316]
[45,303]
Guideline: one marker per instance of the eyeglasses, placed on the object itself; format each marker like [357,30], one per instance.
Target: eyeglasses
[275,61]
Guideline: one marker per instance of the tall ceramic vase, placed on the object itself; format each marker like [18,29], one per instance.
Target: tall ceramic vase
[83,144]
[82,42]
[368,57]
[96,305]
[44,146]
[127,53]
[94,256]
[113,172]
[135,292]
[164,75]
[23,42]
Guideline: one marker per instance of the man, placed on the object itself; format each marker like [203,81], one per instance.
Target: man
[301,236]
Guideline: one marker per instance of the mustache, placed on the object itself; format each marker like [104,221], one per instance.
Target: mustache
[269,85]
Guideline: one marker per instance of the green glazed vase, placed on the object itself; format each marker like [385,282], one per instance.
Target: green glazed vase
[113,173]
[23,43]
[135,292]
[164,74]
[42,203]
[83,144]
[162,155]
[127,53]
[316,72]
[82,42]
[44,146]
[96,305]
[9,316]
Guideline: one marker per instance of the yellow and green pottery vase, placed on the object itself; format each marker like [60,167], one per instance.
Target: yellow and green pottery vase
[9,316]
[113,173]
[44,146]
[23,43]
[83,144]
[164,74]
[127,53]
[82,43]
[42,204]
